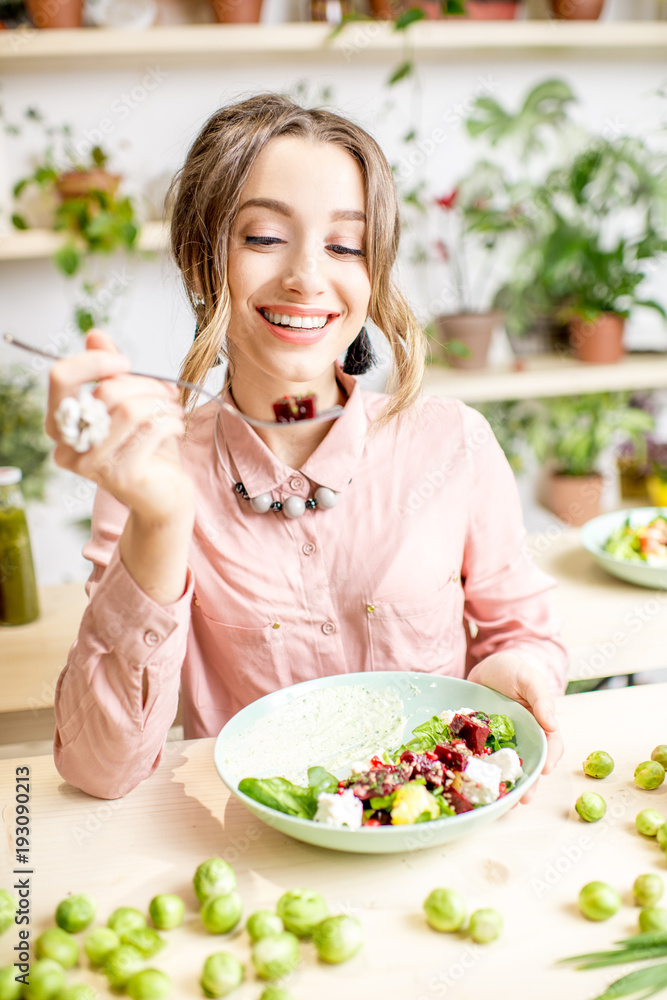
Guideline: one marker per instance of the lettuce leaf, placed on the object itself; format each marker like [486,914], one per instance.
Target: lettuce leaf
[502,732]
[281,794]
[425,737]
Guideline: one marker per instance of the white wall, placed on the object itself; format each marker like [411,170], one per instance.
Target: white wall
[150,139]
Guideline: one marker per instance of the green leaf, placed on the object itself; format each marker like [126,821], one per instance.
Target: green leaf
[384,802]
[502,730]
[67,258]
[280,794]
[319,780]
[408,17]
[19,222]
[84,320]
[401,72]
[650,980]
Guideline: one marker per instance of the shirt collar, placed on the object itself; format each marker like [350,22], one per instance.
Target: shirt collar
[332,464]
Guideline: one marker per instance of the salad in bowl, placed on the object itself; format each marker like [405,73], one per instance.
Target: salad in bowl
[630,544]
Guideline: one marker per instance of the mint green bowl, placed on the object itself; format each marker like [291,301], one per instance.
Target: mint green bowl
[423,695]
[595,533]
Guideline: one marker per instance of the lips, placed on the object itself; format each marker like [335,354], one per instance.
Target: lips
[294,335]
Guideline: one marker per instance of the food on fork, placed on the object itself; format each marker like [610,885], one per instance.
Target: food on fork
[292,408]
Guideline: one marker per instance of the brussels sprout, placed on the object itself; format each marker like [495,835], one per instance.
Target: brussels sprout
[661,836]
[445,909]
[76,913]
[77,991]
[599,901]
[301,909]
[166,911]
[649,821]
[45,979]
[9,988]
[275,955]
[598,764]
[485,926]
[591,807]
[222,973]
[125,919]
[263,922]
[647,890]
[213,878]
[660,754]
[338,938]
[649,774]
[121,965]
[145,940]
[222,913]
[8,906]
[653,918]
[57,944]
[99,943]
[149,984]
[276,993]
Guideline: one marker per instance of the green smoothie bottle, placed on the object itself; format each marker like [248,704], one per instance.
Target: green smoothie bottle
[18,590]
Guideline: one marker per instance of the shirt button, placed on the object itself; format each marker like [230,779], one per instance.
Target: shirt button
[455,578]
[308,549]
[328,628]
[296,483]
[151,638]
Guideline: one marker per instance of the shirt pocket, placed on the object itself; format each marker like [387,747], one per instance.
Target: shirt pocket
[241,664]
[417,634]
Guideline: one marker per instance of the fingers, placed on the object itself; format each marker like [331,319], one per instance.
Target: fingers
[67,376]
[98,340]
[133,417]
[112,391]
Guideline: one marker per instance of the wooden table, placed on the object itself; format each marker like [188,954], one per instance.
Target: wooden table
[529,865]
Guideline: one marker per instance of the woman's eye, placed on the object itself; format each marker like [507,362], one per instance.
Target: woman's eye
[262,241]
[337,248]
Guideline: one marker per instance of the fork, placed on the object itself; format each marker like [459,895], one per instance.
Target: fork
[330,414]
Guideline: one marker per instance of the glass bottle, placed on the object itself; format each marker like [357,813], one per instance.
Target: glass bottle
[332,11]
[18,590]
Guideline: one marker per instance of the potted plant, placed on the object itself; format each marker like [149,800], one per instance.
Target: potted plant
[577,10]
[23,442]
[55,13]
[569,439]
[86,209]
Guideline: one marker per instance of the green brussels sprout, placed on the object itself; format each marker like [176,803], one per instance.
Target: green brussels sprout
[77,991]
[660,754]
[45,979]
[445,909]
[213,878]
[276,993]
[76,913]
[275,955]
[591,807]
[647,890]
[599,901]
[338,938]
[661,836]
[166,911]
[649,821]
[9,988]
[221,974]
[99,943]
[8,906]
[649,774]
[653,918]
[485,926]
[301,909]
[57,944]
[149,984]
[598,764]
[125,919]
[222,913]
[145,940]
[121,964]
[263,922]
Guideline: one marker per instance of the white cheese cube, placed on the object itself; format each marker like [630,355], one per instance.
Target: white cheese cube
[448,715]
[340,810]
[508,761]
[481,781]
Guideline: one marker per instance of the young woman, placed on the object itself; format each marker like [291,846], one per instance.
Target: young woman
[231,561]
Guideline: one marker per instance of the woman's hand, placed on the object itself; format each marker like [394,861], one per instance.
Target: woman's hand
[512,676]
[139,461]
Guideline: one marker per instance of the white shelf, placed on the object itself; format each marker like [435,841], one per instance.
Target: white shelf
[548,375]
[29,50]
[36,244]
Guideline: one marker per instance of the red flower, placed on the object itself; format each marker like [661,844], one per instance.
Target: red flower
[448,201]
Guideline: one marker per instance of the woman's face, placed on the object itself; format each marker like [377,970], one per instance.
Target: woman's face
[297,270]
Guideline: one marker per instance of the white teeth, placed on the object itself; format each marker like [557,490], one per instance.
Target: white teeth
[284,319]
[297,322]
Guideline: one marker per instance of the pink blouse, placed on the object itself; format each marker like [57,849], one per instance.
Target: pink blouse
[421,565]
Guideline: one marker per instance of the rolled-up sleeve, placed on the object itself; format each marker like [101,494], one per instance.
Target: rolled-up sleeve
[507,598]
[118,694]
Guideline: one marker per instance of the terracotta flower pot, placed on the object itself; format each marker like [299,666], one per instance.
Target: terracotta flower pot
[577,10]
[472,329]
[492,10]
[237,11]
[574,499]
[79,183]
[599,341]
[55,13]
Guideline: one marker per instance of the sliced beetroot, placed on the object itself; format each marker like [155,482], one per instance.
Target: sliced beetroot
[291,408]
[453,759]
[458,802]
[472,731]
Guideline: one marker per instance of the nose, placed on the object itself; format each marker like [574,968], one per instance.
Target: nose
[304,272]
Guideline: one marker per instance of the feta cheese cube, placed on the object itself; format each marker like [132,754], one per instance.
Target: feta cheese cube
[340,810]
[447,715]
[508,761]
[481,781]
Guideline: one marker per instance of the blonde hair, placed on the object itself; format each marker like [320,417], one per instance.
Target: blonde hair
[204,199]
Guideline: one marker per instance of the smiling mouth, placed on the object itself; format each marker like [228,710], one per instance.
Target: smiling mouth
[290,322]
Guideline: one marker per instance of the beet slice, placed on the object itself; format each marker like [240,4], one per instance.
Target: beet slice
[291,408]
[453,759]
[458,802]
[471,731]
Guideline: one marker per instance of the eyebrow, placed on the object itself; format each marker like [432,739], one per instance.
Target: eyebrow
[340,214]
